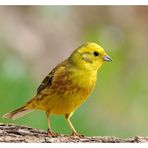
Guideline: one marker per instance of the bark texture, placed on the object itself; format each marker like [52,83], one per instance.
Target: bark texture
[16,133]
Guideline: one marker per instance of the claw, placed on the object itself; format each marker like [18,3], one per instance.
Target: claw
[77,135]
[52,134]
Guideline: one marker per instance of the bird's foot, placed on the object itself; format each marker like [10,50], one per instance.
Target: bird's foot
[52,134]
[75,134]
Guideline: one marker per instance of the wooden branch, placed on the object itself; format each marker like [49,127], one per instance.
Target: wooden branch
[15,133]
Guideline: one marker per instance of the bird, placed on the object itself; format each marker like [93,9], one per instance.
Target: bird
[67,86]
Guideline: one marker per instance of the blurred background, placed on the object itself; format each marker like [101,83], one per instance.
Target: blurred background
[34,39]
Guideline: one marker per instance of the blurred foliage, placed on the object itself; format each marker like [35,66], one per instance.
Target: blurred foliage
[34,39]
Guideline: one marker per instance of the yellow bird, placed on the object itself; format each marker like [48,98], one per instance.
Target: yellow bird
[67,86]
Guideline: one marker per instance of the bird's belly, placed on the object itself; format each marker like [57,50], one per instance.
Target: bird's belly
[67,103]
[62,107]
[68,107]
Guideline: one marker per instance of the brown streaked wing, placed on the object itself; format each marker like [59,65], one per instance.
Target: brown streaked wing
[46,82]
[48,79]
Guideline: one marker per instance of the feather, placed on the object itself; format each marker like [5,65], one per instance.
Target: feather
[17,113]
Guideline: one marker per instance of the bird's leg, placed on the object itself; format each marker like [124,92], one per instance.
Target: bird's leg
[74,132]
[48,119]
[49,131]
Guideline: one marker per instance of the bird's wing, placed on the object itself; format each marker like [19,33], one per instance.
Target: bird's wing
[48,79]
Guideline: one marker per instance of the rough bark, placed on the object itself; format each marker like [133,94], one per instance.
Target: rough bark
[15,133]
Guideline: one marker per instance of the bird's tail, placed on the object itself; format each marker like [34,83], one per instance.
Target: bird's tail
[15,114]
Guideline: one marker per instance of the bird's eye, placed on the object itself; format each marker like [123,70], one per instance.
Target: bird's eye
[96,53]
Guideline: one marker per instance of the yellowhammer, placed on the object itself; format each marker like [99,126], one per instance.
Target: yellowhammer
[67,86]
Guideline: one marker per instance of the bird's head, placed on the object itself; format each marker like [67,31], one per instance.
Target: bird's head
[89,56]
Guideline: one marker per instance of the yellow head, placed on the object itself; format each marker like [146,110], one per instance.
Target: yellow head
[89,56]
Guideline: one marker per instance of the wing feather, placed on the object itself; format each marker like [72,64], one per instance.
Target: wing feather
[49,78]
[47,81]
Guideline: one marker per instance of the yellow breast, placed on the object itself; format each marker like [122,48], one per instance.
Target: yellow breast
[70,92]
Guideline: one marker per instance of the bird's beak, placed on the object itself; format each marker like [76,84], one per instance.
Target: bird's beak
[107,58]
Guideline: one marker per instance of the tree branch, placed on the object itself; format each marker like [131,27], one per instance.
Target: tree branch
[16,133]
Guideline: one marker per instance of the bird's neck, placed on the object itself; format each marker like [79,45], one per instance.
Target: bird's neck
[83,78]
